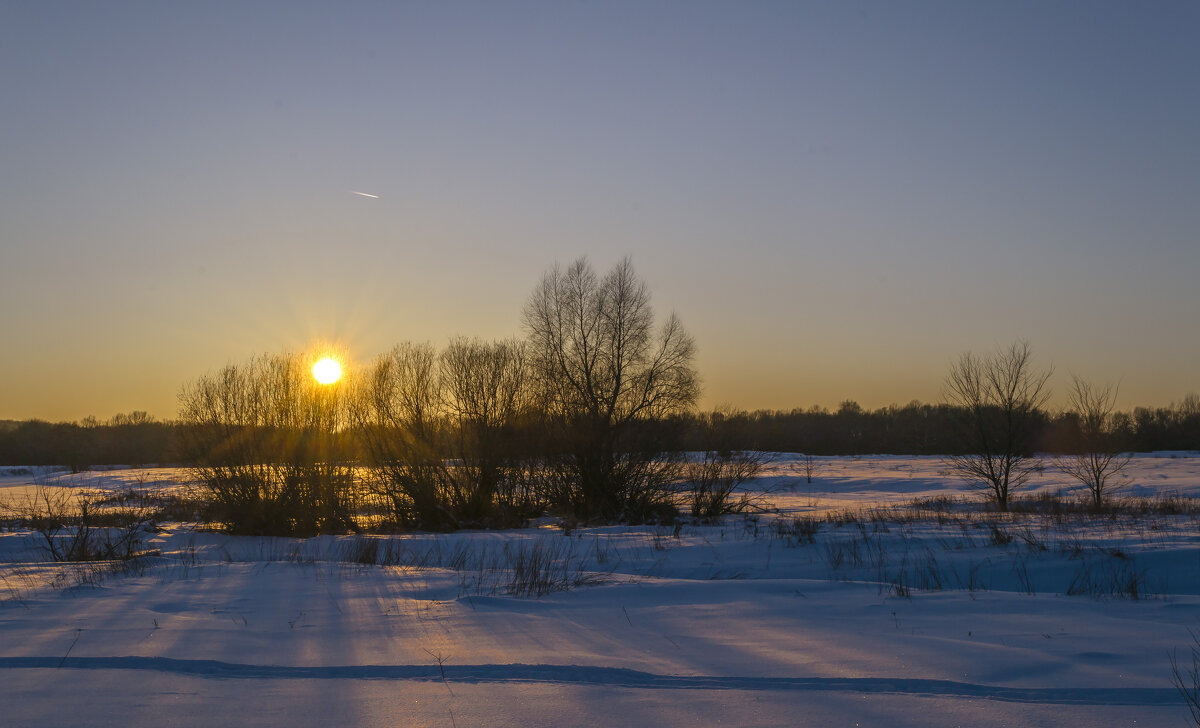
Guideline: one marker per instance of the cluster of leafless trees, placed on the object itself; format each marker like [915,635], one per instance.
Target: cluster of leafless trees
[1000,397]
[446,436]
[263,437]
[578,418]
[584,416]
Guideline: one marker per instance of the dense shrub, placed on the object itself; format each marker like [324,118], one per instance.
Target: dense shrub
[263,440]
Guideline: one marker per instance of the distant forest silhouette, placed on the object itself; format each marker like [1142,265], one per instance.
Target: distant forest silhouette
[912,429]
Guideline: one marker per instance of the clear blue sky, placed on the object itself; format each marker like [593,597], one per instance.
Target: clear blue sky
[837,198]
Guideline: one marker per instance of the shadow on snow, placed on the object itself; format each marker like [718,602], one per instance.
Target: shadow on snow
[609,676]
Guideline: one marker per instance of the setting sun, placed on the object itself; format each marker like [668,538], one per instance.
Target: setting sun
[327,371]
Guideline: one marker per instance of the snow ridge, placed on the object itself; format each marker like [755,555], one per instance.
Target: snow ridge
[608,676]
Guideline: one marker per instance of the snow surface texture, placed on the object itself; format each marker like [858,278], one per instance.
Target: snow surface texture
[889,614]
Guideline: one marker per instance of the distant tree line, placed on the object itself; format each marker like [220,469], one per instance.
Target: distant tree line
[915,428]
[934,429]
[135,438]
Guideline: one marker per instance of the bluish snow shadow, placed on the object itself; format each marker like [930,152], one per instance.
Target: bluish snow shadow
[607,676]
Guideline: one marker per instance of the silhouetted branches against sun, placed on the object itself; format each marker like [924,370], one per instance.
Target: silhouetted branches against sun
[584,414]
[263,437]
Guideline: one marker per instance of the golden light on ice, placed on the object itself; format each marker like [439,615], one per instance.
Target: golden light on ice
[327,371]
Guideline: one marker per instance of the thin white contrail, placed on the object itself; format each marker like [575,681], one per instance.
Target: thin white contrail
[364,194]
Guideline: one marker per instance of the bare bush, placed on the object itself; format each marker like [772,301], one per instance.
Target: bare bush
[1001,395]
[798,531]
[397,411]
[1117,576]
[265,439]
[487,392]
[530,569]
[712,483]
[73,525]
[445,435]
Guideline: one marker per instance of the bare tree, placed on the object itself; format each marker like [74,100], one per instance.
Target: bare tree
[1001,396]
[807,465]
[486,389]
[604,372]
[398,414]
[1099,463]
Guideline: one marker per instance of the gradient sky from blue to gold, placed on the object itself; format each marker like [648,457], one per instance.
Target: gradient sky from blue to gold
[837,198]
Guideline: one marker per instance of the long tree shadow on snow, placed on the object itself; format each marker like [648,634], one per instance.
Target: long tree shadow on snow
[608,676]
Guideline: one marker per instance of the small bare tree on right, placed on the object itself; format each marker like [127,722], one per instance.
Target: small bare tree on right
[806,465]
[1001,396]
[1098,463]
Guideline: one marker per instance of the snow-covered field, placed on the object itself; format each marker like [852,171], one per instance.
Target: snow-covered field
[850,606]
